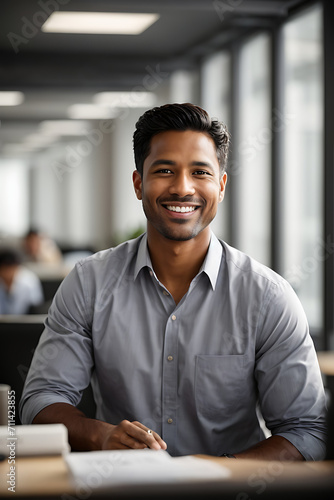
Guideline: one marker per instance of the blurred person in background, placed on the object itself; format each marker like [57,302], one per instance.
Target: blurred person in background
[40,248]
[20,288]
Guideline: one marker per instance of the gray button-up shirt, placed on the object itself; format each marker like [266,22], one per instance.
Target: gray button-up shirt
[194,371]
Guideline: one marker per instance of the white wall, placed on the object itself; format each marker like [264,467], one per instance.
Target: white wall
[184,87]
[126,211]
[14,196]
[71,190]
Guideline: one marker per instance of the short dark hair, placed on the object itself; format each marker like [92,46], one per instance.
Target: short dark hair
[32,232]
[10,257]
[179,117]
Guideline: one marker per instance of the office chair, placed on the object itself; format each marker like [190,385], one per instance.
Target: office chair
[19,336]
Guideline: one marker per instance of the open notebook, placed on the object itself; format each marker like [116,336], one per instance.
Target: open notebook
[101,469]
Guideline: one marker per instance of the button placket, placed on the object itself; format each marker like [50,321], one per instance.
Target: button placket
[170,382]
[165,297]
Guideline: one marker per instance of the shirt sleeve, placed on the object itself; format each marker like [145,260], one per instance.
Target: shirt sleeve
[63,360]
[291,391]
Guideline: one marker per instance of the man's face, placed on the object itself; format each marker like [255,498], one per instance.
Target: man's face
[33,244]
[8,273]
[181,184]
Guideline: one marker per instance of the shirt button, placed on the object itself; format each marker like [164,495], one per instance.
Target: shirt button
[169,421]
[165,293]
[170,358]
[151,273]
[173,317]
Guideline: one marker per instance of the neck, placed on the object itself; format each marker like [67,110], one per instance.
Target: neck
[176,263]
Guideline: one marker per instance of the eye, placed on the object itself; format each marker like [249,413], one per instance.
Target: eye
[163,171]
[201,172]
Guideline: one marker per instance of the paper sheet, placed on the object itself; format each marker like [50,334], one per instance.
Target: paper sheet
[100,469]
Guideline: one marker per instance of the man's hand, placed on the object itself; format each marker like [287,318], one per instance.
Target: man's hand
[132,435]
[87,434]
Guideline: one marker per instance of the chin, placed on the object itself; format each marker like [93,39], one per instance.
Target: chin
[173,237]
[179,236]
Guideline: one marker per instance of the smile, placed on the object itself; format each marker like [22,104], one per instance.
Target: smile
[183,209]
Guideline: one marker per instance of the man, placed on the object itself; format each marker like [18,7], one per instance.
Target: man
[20,288]
[40,248]
[181,334]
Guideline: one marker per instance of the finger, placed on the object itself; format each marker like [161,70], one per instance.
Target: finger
[158,439]
[150,437]
[130,442]
[126,437]
[139,432]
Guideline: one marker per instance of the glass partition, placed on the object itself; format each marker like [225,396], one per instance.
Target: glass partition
[216,99]
[303,247]
[252,152]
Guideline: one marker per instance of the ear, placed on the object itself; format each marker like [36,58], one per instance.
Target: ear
[137,184]
[223,181]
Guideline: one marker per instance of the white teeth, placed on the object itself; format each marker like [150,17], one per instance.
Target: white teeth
[180,209]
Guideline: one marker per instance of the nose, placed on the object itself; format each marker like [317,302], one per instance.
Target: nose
[182,184]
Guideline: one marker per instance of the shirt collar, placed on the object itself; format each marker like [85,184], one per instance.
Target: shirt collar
[212,260]
[210,265]
[143,257]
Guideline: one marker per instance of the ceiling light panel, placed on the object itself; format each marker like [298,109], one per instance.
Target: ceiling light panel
[90,112]
[108,23]
[63,127]
[125,99]
[11,98]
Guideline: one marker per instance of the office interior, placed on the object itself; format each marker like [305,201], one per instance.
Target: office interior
[265,68]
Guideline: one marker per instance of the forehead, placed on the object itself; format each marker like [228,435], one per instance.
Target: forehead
[187,142]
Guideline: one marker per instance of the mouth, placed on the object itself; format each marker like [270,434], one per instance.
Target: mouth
[180,210]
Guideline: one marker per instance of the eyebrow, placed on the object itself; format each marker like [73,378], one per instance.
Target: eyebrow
[202,164]
[162,161]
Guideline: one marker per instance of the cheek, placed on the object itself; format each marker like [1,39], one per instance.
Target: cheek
[213,195]
[153,189]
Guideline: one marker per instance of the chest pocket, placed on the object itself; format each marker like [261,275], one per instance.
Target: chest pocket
[221,384]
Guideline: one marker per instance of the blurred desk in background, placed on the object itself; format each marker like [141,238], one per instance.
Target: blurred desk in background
[48,271]
[326,362]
